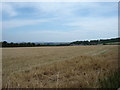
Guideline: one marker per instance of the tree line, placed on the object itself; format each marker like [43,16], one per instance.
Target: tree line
[29,44]
[96,42]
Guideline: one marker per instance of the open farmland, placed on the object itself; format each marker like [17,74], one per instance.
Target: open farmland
[58,67]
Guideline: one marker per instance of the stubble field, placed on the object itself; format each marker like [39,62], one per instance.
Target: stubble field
[58,67]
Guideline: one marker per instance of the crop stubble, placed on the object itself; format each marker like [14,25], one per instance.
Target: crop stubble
[58,67]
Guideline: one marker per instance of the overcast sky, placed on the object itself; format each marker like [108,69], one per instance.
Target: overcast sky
[59,22]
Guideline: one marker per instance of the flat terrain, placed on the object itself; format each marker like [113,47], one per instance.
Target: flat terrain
[58,67]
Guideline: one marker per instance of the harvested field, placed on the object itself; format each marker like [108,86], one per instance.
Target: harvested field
[58,67]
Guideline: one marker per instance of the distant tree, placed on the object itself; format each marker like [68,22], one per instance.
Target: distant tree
[0,44]
[4,44]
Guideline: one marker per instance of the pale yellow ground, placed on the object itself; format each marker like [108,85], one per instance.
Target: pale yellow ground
[20,59]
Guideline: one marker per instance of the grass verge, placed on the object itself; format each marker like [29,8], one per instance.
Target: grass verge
[112,81]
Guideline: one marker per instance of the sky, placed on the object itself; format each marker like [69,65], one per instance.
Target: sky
[58,21]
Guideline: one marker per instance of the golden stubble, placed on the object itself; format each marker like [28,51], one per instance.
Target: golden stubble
[58,67]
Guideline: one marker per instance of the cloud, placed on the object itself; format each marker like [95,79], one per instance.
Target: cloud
[46,8]
[9,9]
[79,9]
[62,9]
[58,36]
[84,29]
[22,22]
[61,1]
[85,21]
[94,24]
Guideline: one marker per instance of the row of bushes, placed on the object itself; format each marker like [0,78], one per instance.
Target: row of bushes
[91,42]
[95,42]
[6,44]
